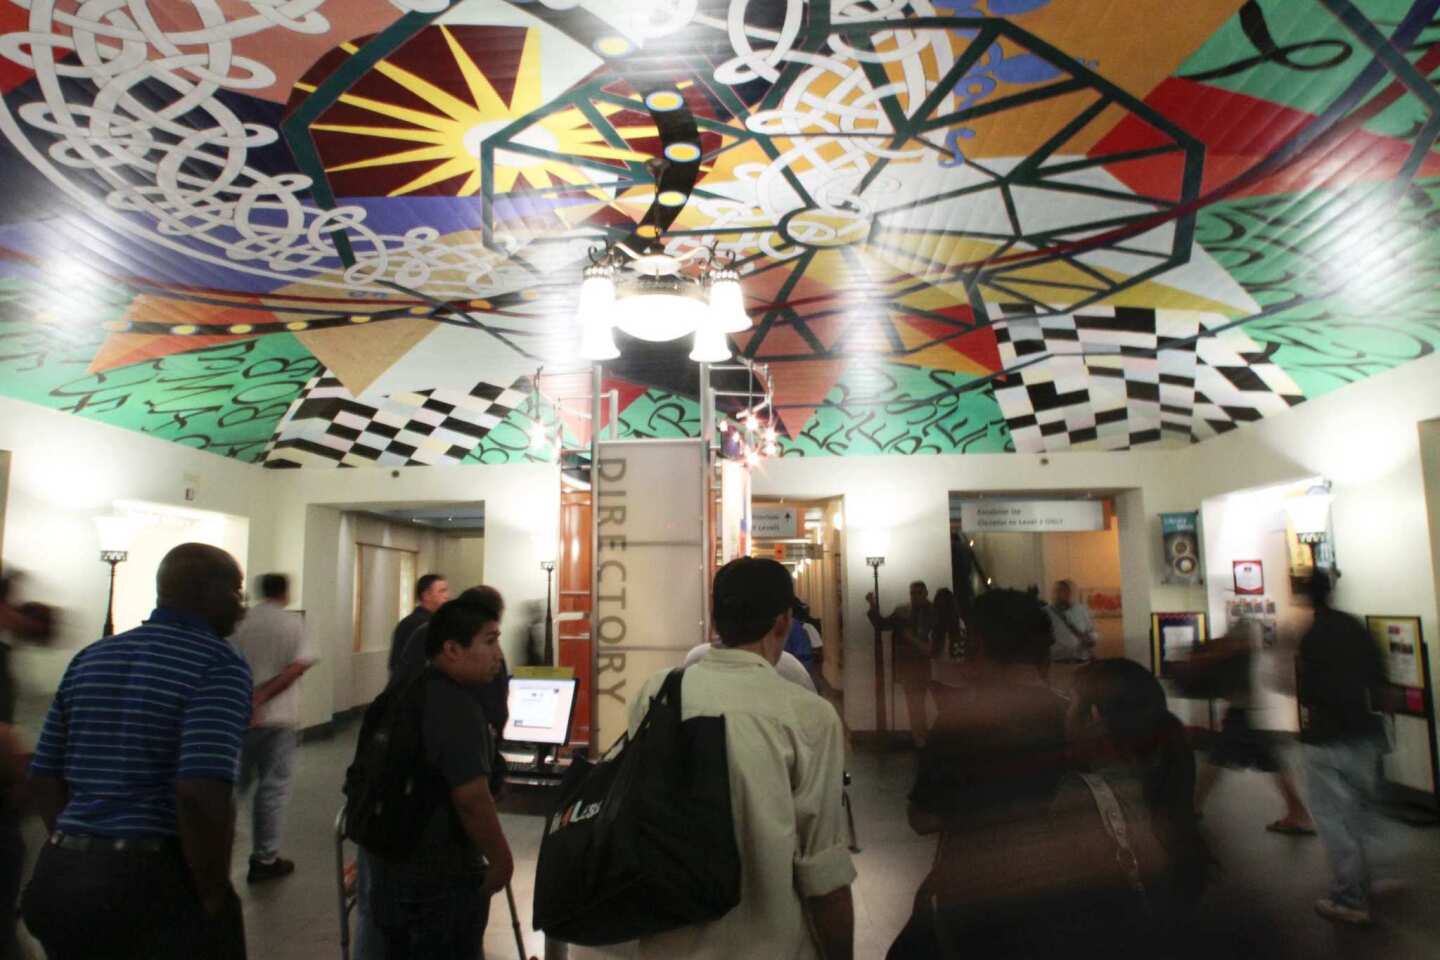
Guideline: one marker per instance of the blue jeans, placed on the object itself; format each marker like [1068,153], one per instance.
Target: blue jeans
[369,941]
[1341,777]
[437,917]
[265,762]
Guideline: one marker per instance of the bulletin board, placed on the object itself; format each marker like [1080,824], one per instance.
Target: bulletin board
[1174,636]
[1409,701]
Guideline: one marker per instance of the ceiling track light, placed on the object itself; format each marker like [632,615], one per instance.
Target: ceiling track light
[657,296]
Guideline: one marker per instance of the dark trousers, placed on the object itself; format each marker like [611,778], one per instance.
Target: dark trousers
[429,918]
[12,866]
[83,905]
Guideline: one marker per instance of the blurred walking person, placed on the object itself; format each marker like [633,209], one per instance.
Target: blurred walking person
[273,642]
[912,625]
[1341,678]
[1224,670]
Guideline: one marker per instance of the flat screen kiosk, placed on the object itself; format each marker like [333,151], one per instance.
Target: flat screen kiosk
[540,715]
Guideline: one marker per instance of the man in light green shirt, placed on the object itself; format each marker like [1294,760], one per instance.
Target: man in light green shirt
[787,752]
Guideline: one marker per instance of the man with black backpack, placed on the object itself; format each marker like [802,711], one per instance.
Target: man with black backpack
[786,751]
[418,795]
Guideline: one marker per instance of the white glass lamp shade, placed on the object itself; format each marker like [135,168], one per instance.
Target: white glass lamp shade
[660,317]
[1310,514]
[727,305]
[597,341]
[597,299]
[116,533]
[596,316]
[710,345]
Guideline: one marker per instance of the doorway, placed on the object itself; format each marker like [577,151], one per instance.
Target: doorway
[1034,542]
[807,536]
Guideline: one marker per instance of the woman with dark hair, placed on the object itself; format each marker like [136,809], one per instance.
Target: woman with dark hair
[1137,859]
[986,781]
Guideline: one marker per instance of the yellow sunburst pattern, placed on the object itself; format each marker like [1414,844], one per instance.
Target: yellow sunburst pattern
[418,122]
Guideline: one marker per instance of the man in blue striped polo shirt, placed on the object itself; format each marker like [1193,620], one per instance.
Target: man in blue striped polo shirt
[134,776]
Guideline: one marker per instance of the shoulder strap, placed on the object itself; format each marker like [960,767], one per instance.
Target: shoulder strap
[1113,816]
[670,689]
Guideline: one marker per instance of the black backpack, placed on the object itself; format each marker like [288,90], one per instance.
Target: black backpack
[391,791]
[644,842]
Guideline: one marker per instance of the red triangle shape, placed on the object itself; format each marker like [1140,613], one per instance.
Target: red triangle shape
[1240,131]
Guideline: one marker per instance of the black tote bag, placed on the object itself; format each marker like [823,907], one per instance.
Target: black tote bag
[644,841]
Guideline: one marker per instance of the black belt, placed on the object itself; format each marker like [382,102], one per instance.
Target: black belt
[84,843]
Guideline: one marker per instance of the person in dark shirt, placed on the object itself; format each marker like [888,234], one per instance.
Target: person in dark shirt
[435,903]
[431,591]
[912,625]
[989,771]
[495,695]
[135,776]
[1340,679]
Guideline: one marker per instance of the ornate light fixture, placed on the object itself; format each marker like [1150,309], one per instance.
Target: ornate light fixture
[655,296]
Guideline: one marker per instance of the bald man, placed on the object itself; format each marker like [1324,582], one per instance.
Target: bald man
[134,776]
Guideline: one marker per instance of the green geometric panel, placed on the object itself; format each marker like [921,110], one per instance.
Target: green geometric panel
[1291,251]
[37,357]
[894,409]
[1303,62]
[510,440]
[226,399]
[656,414]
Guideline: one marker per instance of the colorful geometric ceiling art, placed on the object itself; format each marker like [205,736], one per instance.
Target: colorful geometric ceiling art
[334,234]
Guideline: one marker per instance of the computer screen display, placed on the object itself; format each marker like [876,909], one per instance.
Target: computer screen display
[540,710]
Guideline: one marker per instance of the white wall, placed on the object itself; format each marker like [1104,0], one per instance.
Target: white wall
[64,471]
[1365,439]
[159,529]
[1251,526]
[461,559]
[305,512]
[4,488]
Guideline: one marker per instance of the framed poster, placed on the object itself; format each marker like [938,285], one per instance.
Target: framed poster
[1174,636]
[1181,533]
[1401,649]
[1249,578]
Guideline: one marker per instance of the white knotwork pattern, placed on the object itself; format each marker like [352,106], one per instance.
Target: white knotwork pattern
[831,123]
[169,150]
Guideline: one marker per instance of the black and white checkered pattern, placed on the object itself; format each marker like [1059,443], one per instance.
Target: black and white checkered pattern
[328,426]
[1113,378]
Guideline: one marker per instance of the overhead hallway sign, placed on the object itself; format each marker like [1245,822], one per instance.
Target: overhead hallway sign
[1031,516]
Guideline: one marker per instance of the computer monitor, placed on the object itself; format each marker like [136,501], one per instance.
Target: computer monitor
[540,710]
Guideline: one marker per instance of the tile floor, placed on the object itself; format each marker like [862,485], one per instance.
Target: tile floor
[1261,906]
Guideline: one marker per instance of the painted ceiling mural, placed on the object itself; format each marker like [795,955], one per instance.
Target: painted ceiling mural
[343,232]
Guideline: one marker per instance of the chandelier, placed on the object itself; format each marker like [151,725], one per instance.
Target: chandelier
[659,297]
